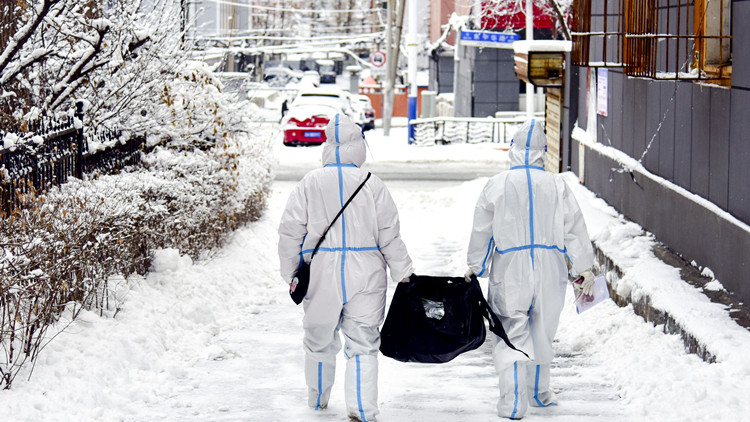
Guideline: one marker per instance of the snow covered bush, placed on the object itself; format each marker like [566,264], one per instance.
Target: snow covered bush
[207,174]
[192,109]
[211,191]
[56,250]
[61,249]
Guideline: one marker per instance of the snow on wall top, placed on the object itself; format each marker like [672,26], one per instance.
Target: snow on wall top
[542,45]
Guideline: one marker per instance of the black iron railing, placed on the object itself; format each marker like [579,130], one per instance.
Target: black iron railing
[51,151]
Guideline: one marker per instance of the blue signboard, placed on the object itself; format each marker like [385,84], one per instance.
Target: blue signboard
[488,39]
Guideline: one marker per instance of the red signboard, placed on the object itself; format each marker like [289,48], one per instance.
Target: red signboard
[512,15]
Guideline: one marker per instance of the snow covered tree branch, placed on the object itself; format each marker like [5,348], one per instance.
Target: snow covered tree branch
[110,55]
[23,35]
[504,12]
[75,76]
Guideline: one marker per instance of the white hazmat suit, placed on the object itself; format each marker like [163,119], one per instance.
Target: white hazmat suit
[348,274]
[526,223]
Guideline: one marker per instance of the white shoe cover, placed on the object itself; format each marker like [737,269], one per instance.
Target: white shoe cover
[513,401]
[361,387]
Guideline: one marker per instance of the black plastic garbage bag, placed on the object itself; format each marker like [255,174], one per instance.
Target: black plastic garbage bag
[435,319]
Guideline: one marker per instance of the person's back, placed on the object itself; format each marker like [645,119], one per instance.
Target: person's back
[526,225]
[347,275]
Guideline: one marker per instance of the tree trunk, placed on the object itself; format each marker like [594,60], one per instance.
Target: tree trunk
[393,49]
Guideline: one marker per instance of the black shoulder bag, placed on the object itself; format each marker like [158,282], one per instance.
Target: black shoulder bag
[299,290]
[434,319]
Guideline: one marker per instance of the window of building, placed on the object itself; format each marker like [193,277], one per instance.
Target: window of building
[713,49]
[596,35]
[657,39]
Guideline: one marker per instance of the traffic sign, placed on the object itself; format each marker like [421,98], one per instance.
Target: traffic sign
[377,58]
[488,39]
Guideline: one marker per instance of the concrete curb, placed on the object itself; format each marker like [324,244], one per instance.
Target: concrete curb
[689,274]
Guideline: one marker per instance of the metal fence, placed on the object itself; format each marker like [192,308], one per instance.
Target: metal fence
[114,158]
[445,130]
[51,151]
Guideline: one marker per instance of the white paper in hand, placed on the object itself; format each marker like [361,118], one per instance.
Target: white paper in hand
[601,292]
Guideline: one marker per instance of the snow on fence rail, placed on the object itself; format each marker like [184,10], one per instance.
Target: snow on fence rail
[444,130]
[52,151]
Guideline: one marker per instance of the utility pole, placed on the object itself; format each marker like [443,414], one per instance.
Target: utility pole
[411,45]
[387,105]
[392,53]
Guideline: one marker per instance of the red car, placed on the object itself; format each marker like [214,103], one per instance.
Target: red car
[305,122]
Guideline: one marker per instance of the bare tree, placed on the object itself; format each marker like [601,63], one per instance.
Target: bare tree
[107,53]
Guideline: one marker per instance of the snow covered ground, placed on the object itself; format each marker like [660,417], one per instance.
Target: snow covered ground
[220,340]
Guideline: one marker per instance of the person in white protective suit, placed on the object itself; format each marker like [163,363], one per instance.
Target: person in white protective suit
[528,229]
[348,274]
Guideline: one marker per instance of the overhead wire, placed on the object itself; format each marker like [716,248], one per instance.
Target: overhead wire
[239,33]
[268,38]
[292,9]
[258,35]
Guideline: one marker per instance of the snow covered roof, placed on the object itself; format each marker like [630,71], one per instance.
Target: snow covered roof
[369,81]
[542,45]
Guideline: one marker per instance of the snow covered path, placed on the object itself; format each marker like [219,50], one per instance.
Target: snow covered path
[220,340]
[253,368]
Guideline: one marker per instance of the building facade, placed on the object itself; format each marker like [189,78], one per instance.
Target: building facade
[663,89]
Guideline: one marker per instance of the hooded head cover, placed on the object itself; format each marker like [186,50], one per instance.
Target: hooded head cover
[345,143]
[529,145]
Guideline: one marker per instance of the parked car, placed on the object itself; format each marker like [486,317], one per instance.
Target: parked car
[369,112]
[327,71]
[312,109]
[280,76]
[327,77]
[305,121]
[327,93]
[358,113]
[310,78]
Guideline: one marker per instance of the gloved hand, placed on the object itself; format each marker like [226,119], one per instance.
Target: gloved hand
[468,275]
[585,286]
[407,279]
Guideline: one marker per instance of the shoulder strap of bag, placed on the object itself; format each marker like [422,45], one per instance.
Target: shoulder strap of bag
[338,215]
[494,321]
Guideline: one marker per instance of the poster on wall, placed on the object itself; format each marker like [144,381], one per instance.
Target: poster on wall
[601,92]
[591,94]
